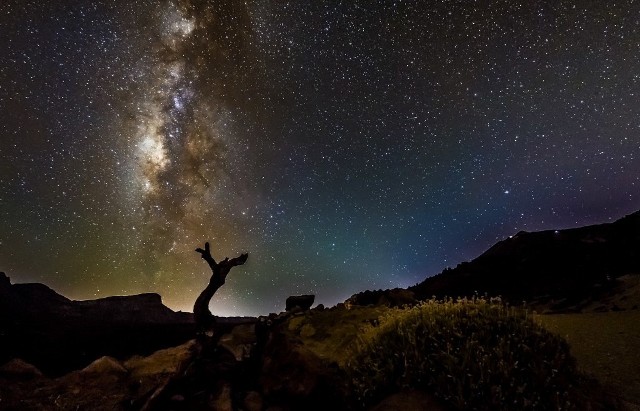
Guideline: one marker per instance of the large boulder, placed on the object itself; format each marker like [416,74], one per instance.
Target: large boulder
[105,365]
[303,302]
[19,370]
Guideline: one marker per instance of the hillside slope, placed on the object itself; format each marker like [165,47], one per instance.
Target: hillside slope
[564,268]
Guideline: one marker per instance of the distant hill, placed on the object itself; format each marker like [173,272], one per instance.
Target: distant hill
[57,334]
[562,269]
[558,270]
[300,359]
[36,302]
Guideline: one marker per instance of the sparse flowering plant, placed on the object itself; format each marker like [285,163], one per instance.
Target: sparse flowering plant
[473,354]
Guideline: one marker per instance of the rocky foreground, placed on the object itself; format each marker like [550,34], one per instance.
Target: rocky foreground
[261,365]
[59,354]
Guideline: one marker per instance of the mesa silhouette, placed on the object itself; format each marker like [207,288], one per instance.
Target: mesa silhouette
[558,270]
[58,335]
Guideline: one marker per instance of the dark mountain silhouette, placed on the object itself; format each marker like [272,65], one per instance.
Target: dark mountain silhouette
[290,360]
[36,302]
[58,335]
[561,268]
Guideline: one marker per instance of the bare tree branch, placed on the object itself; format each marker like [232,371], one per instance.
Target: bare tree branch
[203,317]
[206,255]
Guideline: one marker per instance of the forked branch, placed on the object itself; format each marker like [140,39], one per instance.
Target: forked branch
[203,317]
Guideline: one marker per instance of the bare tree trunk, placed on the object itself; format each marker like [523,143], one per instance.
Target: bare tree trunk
[203,317]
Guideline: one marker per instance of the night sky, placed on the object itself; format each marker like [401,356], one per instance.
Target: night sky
[345,145]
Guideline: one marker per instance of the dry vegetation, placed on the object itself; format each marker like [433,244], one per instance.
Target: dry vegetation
[331,334]
[472,354]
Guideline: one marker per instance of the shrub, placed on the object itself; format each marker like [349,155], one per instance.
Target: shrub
[472,354]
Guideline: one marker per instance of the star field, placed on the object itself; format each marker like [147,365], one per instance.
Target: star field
[344,145]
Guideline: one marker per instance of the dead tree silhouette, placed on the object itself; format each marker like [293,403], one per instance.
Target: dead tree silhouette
[202,316]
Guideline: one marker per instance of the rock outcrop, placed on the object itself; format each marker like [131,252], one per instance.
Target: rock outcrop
[301,302]
[58,335]
[20,370]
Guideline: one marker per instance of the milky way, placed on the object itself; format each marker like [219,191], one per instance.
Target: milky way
[180,139]
[344,145]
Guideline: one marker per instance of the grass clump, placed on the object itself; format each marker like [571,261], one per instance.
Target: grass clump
[473,354]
